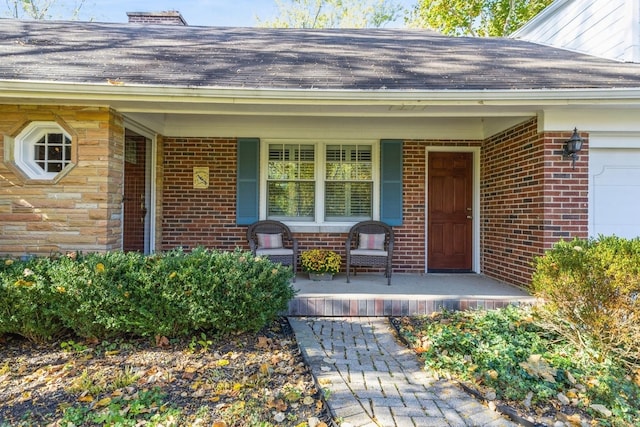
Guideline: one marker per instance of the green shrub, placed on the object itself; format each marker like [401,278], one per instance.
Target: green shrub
[591,292]
[28,299]
[117,293]
[107,295]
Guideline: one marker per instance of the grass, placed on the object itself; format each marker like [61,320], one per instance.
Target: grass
[507,356]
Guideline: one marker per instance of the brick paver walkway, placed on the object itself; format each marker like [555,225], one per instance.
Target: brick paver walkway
[372,380]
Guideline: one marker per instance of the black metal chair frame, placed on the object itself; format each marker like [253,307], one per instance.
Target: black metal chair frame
[370,260]
[288,242]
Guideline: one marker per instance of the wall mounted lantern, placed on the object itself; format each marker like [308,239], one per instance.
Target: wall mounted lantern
[572,146]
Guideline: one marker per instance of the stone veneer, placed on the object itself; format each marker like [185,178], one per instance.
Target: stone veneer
[82,210]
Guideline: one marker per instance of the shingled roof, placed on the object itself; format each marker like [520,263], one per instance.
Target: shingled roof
[260,58]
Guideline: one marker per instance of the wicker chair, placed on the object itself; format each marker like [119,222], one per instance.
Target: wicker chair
[370,244]
[274,240]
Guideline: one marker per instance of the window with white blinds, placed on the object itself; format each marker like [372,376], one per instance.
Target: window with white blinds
[348,182]
[291,174]
[297,192]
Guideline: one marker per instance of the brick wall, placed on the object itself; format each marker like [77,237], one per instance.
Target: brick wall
[199,217]
[206,217]
[81,211]
[530,199]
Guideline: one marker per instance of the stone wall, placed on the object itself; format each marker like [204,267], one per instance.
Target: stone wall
[81,210]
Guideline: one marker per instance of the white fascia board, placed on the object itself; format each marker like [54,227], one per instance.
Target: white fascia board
[614,120]
[105,94]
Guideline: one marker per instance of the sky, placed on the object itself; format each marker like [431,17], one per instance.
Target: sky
[241,13]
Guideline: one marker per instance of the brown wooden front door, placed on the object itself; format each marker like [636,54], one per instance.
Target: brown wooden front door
[134,198]
[450,202]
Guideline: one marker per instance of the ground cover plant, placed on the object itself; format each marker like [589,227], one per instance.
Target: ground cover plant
[509,358]
[575,357]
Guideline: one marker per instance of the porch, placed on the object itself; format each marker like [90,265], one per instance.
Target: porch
[409,294]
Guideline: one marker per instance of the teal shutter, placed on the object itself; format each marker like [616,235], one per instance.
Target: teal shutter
[391,181]
[248,181]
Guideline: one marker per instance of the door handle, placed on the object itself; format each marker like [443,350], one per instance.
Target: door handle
[469,217]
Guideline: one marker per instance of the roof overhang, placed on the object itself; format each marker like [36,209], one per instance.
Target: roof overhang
[167,99]
[163,105]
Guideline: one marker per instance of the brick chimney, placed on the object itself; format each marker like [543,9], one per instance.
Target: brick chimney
[168,17]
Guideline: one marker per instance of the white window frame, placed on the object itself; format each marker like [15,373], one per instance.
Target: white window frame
[24,145]
[320,224]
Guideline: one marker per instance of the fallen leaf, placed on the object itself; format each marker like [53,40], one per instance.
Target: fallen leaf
[263,342]
[280,405]
[92,341]
[574,420]
[103,402]
[603,410]
[162,341]
[86,399]
[265,368]
[536,366]
[189,372]
[563,398]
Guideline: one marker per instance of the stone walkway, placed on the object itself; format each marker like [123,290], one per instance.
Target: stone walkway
[371,380]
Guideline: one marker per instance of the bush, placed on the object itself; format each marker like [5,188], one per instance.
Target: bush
[116,293]
[28,300]
[591,291]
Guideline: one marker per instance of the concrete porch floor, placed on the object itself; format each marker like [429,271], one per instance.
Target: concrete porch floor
[409,294]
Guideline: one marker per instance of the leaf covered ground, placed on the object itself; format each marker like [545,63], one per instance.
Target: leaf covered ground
[243,380]
[507,358]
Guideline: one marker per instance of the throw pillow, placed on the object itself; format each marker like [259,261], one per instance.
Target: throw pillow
[372,241]
[269,241]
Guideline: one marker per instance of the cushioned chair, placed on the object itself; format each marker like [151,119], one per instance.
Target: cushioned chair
[370,244]
[274,240]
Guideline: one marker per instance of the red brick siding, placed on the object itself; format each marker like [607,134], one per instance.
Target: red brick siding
[518,219]
[192,218]
[530,198]
[200,217]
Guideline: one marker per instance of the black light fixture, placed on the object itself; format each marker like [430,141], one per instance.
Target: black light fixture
[572,146]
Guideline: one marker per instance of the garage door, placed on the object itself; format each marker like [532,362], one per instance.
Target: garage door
[614,187]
